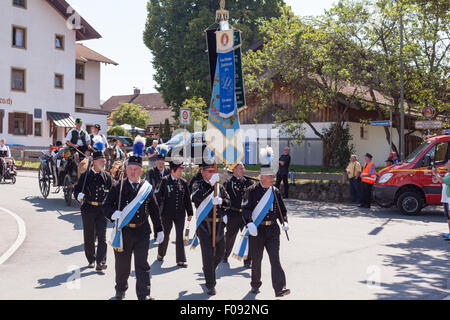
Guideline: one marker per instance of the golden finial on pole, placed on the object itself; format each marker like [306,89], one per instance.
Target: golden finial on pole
[222,14]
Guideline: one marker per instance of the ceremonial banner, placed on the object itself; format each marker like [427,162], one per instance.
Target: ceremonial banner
[239,84]
[240,250]
[223,135]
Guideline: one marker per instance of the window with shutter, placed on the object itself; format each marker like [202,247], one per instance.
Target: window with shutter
[2,113]
[29,124]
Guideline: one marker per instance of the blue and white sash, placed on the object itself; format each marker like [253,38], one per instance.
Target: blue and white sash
[127,214]
[202,212]
[240,250]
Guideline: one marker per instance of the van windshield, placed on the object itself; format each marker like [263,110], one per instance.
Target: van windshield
[413,155]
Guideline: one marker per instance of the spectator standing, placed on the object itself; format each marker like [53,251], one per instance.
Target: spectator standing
[283,171]
[152,152]
[367,181]
[354,176]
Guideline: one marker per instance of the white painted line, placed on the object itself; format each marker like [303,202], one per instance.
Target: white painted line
[20,237]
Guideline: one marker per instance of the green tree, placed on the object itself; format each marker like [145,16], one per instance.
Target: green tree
[313,63]
[174,34]
[167,132]
[118,131]
[132,114]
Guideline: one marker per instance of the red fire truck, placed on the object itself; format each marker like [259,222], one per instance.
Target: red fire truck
[410,185]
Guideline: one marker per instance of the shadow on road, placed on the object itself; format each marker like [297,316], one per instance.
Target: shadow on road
[313,209]
[60,279]
[224,270]
[419,274]
[194,296]
[53,204]
[68,251]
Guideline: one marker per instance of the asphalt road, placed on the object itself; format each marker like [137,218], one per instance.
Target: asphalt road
[335,251]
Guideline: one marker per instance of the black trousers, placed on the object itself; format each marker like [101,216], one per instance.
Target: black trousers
[234,225]
[284,178]
[135,241]
[94,227]
[167,223]
[355,189]
[366,194]
[210,258]
[269,238]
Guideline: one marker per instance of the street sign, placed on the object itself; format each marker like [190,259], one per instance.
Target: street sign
[385,123]
[185,117]
[429,112]
[428,124]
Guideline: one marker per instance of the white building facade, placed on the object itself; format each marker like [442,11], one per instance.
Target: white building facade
[47,78]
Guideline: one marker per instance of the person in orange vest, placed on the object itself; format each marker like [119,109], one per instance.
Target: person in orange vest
[368,176]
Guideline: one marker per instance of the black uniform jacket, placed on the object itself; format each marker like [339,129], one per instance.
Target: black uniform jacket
[252,198]
[202,189]
[174,198]
[148,208]
[96,188]
[236,189]
[154,176]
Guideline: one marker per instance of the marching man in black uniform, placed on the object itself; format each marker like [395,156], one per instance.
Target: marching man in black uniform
[130,202]
[155,174]
[267,233]
[92,189]
[202,196]
[174,199]
[236,187]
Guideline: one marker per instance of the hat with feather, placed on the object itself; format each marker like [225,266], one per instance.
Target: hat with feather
[163,150]
[98,146]
[266,159]
[138,151]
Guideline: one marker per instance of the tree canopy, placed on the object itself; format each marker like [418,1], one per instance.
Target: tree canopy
[346,55]
[174,33]
[132,114]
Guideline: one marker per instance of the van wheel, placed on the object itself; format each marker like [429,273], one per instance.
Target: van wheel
[410,203]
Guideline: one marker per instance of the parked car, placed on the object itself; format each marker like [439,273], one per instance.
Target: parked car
[194,144]
[126,143]
[410,185]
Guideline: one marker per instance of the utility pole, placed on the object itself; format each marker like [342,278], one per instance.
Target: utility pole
[402,107]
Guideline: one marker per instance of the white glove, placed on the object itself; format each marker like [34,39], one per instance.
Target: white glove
[214,179]
[217,201]
[160,237]
[252,229]
[225,219]
[116,215]
[285,227]
[80,196]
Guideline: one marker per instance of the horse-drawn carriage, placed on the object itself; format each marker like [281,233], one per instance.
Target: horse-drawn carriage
[63,169]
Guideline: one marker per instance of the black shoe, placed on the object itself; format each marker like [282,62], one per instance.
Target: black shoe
[182,265]
[101,267]
[91,265]
[248,265]
[283,292]
[120,295]
[145,298]
[211,292]
[225,260]
[255,290]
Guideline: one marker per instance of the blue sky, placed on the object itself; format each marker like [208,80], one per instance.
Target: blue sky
[121,24]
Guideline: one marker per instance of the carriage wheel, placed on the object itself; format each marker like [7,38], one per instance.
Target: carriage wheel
[44,181]
[68,190]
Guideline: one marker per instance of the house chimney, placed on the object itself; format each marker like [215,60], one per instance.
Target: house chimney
[137,91]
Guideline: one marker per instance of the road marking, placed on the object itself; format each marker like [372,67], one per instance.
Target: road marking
[20,237]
